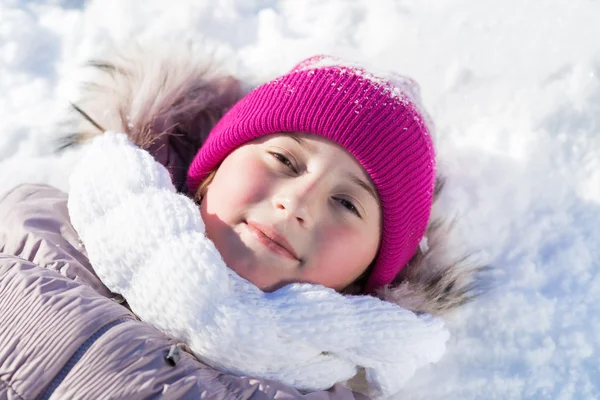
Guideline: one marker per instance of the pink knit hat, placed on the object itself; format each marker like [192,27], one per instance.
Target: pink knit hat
[376,118]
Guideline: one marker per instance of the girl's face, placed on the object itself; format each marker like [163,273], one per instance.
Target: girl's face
[293,208]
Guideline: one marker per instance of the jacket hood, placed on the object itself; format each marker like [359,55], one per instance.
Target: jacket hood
[167,103]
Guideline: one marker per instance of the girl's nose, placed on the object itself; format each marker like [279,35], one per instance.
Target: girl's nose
[296,203]
[292,208]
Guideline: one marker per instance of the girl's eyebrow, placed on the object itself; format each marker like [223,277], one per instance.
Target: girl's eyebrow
[306,145]
[368,188]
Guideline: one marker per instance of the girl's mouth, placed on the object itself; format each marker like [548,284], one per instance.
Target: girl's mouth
[271,239]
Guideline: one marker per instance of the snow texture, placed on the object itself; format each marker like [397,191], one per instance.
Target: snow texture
[513,88]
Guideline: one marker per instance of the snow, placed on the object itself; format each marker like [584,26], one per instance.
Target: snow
[513,88]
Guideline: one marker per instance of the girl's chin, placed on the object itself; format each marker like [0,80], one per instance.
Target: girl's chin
[256,263]
[265,278]
[258,280]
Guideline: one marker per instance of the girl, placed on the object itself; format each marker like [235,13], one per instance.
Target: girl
[318,183]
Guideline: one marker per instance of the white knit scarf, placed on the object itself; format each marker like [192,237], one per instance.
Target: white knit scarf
[147,243]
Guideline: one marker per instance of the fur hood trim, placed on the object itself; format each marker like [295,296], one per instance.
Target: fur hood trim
[168,102]
[437,280]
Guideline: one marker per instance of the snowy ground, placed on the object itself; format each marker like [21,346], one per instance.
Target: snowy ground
[514,88]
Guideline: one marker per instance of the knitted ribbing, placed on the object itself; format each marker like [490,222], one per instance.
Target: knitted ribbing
[147,243]
[376,118]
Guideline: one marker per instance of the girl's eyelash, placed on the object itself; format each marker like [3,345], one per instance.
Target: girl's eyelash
[348,205]
[284,160]
[345,203]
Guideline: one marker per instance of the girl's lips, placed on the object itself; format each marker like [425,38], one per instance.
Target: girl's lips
[272,240]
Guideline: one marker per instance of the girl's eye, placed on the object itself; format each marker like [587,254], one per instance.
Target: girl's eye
[284,160]
[349,206]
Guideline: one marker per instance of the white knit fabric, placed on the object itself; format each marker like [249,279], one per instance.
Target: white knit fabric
[147,243]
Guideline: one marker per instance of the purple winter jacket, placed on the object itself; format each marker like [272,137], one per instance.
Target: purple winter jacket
[64,335]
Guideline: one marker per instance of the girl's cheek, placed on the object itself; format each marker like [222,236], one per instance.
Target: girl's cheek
[252,181]
[240,183]
[345,246]
[341,257]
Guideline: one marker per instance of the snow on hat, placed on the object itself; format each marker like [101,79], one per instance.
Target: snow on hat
[376,118]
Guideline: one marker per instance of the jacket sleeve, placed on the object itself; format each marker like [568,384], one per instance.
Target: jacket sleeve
[35,226]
